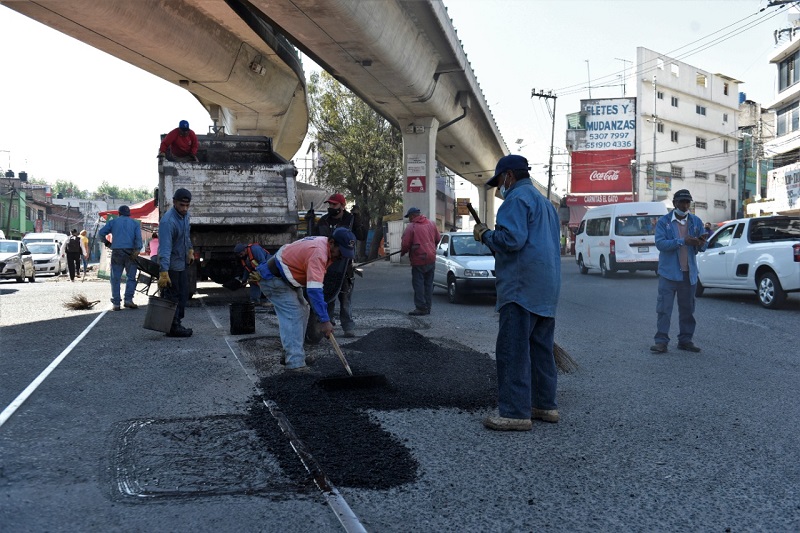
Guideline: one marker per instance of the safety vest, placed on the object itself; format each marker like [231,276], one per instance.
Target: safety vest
[247,262]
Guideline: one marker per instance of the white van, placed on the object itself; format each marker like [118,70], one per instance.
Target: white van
[619,237]
[60,238]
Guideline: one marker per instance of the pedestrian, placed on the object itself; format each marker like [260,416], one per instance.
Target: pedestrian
[180,144]
[250,256]
[709,230]
[74,254]
[679,236]
[175,257]
[126,241]
[338,217]
[84,251]
[152,247]
[528,271]
[282,278]
[419,241]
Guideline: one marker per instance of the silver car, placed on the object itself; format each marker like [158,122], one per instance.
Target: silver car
[16,261]
[48,258]
[463,266]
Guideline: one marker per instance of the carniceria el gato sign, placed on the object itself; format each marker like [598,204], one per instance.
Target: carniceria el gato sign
[601,161]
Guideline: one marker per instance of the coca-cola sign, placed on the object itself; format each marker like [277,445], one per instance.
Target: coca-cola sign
[607,171]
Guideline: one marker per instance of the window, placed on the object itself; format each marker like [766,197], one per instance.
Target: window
[788,119]
[598,226]
[660,63]
[725,116]
[673,136]
[676,71]
[676,172]
[40,215]
[700,205]
[720,203]
[702,80]
[660,95]
[733,181]
[788,74]
[674,101]
[698,175]
[660,127]
[725,92]
[725,146]
[722,178]
[28,213]
[700,143]
[700,110]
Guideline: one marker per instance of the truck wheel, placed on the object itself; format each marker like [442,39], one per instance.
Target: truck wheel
[699,289]
[604,271]
[452,291]
[770,293]
[581,266]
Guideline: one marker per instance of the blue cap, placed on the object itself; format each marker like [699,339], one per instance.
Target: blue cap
[183,124]
[346,242]
[412,211]
[506,163]
[124,211]
[239,248]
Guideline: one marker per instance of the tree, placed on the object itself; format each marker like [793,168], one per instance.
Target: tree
[360,152]
[69,189]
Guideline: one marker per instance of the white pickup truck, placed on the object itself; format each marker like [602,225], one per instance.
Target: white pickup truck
[760,254]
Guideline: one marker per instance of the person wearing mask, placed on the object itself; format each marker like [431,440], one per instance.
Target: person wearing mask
[419,241]
[74,254]
[175,256]
[338,217]
[126,241]
[528,270]
[180,144]
[282,278]
[679,237]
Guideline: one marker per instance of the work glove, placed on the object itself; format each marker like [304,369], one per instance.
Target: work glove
[135,254]
[161,155]
[254,277]
[163,280]
[254,263]
[190,256]
[107,243]
[479,230]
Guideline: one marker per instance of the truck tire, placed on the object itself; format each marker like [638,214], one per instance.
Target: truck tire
[699,289]
[604,271]
[581,266]
[770,293]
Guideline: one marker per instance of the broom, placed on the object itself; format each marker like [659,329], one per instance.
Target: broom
[79,302]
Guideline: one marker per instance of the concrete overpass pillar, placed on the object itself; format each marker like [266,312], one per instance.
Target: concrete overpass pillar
[419,162]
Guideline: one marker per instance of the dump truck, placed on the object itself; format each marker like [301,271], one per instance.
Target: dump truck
[242,191]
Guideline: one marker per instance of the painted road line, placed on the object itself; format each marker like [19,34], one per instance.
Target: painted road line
[19,400]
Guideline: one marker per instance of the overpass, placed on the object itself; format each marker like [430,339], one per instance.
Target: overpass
[403,57]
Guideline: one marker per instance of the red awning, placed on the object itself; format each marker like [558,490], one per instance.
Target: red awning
[145,212]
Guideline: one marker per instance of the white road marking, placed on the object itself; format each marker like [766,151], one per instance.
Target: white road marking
[748,322]
[24,395]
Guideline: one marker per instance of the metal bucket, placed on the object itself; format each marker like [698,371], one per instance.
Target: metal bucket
[159,315]
[243,318]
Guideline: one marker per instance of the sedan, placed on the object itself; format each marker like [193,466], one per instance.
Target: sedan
[16,261]
[463,266]
[47,259]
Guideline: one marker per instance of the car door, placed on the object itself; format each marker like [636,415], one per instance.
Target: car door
[712,264]
[440,268]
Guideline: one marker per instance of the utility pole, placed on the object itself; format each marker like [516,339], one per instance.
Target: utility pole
[758,158]
[655,129]
[550,96]
[589,77]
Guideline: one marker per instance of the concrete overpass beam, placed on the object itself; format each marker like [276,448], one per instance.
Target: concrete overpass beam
[419,160]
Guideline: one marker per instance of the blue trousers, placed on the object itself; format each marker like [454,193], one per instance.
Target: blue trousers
[122,260]
[422,282]
[667,291]
[526,367]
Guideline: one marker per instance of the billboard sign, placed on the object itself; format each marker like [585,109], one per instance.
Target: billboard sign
[610,124]
[602,171]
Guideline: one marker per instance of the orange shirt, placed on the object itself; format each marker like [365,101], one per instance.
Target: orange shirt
[304,262]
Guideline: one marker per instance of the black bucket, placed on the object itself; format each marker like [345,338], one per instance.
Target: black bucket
[243,318]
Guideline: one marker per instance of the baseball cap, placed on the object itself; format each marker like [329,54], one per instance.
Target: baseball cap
[337,199]
[412,211]
[508,162]
[682,194]
[182,194]
[239,248]
[346,241]
[183,125]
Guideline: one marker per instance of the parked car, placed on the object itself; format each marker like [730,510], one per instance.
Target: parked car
[16,261]
[760,254]
[463,266]
[48,258]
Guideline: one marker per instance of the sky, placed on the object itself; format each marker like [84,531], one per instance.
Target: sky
[71,112]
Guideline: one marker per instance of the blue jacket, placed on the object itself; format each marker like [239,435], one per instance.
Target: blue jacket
[668,244]
[126,234]
[173,232]
[527,250]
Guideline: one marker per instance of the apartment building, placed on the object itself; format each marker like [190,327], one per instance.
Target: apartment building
[687,128]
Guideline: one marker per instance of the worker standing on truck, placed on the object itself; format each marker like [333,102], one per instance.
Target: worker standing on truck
[175,256]
[180,144]
[298,265]
[338,217]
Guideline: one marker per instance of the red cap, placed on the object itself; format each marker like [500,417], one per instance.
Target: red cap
[337,199]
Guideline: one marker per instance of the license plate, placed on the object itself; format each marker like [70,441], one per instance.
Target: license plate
[643,249]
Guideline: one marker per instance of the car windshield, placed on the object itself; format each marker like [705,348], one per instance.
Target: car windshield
[467,245]
[9,247]
[42,248]
[635,225]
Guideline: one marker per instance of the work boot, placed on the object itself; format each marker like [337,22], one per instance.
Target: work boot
[130,305]
[179,331]
[349,333]
[688,346]
[500,423]
[115,308]
[298,370]
[419,312]
[659,347]
[546,415]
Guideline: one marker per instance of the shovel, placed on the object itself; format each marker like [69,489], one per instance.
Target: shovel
[362,381]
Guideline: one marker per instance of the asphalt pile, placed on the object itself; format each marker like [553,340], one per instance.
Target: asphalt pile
[350,446]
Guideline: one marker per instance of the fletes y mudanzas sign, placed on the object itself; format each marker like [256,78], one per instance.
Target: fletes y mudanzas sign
[601,160]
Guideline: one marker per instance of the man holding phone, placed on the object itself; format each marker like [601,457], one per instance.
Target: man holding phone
[679,237]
